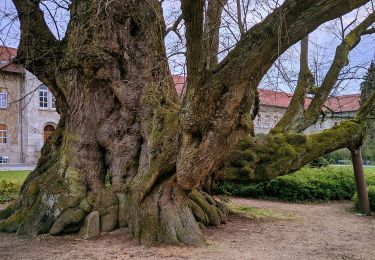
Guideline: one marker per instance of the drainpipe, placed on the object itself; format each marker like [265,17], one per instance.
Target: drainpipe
[23,79]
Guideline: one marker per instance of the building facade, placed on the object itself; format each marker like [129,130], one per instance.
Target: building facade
[27,112]
[273,105]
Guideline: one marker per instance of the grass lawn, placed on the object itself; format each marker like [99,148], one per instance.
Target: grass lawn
[14,176]
[367,169]
[370,170]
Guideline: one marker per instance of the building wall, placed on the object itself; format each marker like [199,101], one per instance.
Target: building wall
[25,119]
[269,115]
[267,118]
[11,83]
[35,118]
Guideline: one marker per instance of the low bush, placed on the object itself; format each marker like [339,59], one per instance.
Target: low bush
[371,196]
[319,162]
[308,184]
[8,191]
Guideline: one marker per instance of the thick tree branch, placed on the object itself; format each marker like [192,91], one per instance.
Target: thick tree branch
[306,80]
[192,12]
[211,32]
[283,153]
[263,158]
[38,46]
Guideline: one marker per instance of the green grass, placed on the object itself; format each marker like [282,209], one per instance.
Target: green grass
[10,184]
[349,167]
[370,170]
[16,177]
[259,213]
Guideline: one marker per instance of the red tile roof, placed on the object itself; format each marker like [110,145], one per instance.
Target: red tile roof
[274,98]
[7,54]
[179,81]
[344,103]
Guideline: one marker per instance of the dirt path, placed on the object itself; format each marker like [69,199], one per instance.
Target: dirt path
[292,231]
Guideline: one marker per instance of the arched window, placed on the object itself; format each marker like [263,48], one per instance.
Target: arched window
[47,132]
[3,134]
[43,96]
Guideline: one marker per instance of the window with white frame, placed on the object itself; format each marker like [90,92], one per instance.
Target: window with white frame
[3,100]
[4,159]
[3,134]
[43,96]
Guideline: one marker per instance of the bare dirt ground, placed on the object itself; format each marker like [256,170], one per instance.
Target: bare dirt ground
[292,231]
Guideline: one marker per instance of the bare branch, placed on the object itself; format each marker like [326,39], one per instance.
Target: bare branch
[266,41]
[174,27]
[239,18]
[339,62]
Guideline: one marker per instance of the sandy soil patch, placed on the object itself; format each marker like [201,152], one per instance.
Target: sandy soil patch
[279,231]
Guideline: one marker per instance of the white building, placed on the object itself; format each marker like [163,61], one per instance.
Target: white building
[273,105]
[27,112]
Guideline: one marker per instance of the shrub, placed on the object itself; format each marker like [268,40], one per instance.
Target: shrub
[308,184]
[371,196]
[370,179]
[236,189]
[319,162]
[8,191]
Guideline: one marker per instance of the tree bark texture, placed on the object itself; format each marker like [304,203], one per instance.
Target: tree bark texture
[126,146]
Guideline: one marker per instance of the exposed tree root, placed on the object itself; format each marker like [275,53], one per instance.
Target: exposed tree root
[166,215]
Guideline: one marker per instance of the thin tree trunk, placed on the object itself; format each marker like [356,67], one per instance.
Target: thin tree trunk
[360,181]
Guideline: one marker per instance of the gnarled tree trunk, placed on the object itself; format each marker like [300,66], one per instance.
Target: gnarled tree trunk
[121,119]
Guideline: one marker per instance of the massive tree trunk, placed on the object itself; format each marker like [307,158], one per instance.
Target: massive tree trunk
[125,146]
[119,123]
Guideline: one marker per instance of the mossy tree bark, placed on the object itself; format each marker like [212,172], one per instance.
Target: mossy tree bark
[121,119]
